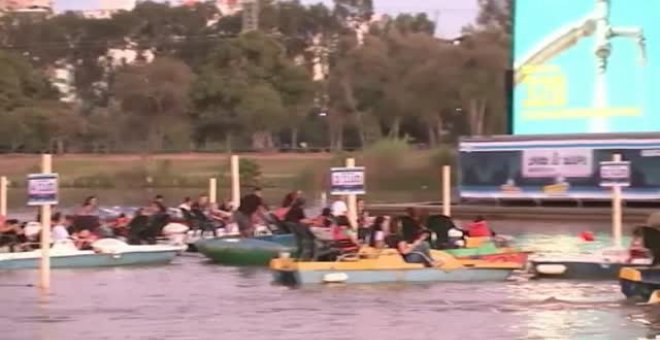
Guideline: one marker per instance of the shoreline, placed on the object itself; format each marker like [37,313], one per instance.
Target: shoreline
[631,215]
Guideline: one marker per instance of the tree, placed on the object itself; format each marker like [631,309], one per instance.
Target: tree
[297,91]
[242,72]
[496,14]
[261,112]
[155,98]
[21,84]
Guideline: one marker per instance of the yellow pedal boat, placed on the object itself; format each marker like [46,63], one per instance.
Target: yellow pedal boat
[387,266]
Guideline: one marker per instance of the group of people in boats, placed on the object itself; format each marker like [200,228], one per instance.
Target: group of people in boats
[410,234]
[413,235]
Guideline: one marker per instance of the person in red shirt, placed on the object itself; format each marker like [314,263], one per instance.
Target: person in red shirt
[479,228]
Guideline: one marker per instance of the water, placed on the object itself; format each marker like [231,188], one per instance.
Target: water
[192,299]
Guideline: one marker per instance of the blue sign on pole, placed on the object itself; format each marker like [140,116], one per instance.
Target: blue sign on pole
[42,189]
[347,181]
[615,174]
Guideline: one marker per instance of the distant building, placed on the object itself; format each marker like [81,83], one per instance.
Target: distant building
[226,7]
[107,8]
[63,79]
[26,5]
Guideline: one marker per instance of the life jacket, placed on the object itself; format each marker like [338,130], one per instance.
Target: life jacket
[280,213]
[338,233]
[637,250]
[479,229]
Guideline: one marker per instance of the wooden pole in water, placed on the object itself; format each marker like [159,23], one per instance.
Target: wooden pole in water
[617,214]
[235,182]
[352,199]
[3,196]
[446,190]
[213,190]
[44,265]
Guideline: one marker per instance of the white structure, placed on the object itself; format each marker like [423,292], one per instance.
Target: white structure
[109,7]
[226,7]
[63,78]
[116,57]
[25,5]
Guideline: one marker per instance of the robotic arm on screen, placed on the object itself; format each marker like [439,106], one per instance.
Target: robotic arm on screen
[596,23]
[555,44]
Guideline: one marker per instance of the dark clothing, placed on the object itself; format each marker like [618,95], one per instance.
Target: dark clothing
[295,215]
[393,240]
[244,222]
[410,228]
[304,240]
[250,204]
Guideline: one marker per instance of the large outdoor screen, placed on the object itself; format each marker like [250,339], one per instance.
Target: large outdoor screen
[586,66]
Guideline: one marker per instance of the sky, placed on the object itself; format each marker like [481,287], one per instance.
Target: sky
[451,15]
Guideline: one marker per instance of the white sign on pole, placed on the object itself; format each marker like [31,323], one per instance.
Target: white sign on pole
[615,174]
[347,181]
[42,189]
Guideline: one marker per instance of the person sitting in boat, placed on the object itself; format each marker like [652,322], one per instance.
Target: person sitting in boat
[138,226]
[60,233]
[158,219]
[199,216]
[89,207]
[287,202]
[119,225]
[339,207]
[11,234]
[324,220]
[417,251]
[376,237]
[479,228]
[160,199]
[364,222]
[84,239]
[219,214]
[87,217]
[412,224]
[251,206]
[297,222]
[637,250]
[186,205]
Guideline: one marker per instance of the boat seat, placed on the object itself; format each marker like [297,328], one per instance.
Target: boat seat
[440,225]
[476,242]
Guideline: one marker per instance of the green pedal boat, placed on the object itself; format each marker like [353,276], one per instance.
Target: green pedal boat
[237,251]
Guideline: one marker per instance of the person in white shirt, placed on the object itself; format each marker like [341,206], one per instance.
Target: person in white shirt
[339,208]
[59,231]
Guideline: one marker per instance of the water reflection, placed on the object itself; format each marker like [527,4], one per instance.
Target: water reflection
[192,299]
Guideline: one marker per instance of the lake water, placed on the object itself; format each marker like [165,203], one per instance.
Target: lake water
[192,299]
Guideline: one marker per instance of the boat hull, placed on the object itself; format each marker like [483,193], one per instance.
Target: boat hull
[246,252]
[93,260]
[425,275]
[519,257]
[577,270]
[639,283]
[387,267]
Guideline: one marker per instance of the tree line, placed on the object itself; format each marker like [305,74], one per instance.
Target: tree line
[198,82]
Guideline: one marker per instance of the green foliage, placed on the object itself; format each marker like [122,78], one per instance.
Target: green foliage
[211,85]
[387,153]
[442,155]
[249,172]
